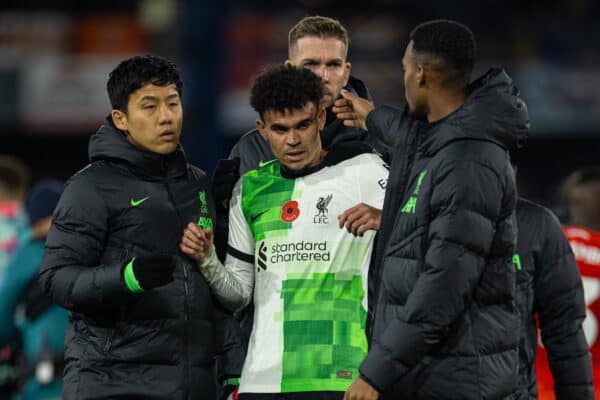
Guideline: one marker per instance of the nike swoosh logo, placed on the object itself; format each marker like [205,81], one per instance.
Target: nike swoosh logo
[257,216]
[135,203]
[262,163]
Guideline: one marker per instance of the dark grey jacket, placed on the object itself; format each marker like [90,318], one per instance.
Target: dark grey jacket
[160,344]
[549,284]
[444,323]
[252,148]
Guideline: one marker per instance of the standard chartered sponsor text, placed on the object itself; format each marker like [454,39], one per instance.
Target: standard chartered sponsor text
[299,251]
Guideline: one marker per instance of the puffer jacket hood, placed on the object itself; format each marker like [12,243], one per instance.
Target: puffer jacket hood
[494,111]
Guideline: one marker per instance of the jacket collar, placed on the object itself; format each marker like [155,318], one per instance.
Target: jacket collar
[110,143]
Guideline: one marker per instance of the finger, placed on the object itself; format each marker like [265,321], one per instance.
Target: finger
[195,246]
[342,103]
[348,95]
[370,225]
[209,234]
[340,109]
[187,250]
[346,115]
[194,236]
[343,217]
[354,123]
[362,220]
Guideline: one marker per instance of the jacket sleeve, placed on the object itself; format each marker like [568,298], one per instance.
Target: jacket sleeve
[466,201]
[71,271]
[560,305]
[383,125]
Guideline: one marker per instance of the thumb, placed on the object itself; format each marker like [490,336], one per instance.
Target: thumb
[348,95]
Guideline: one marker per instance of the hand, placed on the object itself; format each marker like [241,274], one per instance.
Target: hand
[352,109]
[196,242]
[144,273]
[361,390]
[360,218]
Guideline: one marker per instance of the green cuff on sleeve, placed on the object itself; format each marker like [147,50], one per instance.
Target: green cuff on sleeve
[130,281]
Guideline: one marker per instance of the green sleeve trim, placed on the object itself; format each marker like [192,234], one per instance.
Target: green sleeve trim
[231,382]
[130,281]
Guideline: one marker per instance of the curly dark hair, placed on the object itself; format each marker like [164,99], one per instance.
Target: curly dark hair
[135,72]
[285,88]
[452,43]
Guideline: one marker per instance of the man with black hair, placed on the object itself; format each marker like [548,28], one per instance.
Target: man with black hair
[286,253]
[321,45]
[445,325]
[143,322]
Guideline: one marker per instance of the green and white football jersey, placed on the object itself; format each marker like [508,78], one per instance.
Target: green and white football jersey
[309,275]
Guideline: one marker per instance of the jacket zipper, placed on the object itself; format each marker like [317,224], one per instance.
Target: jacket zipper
[186,289]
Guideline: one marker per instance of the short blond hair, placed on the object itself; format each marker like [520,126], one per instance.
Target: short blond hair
[317,26]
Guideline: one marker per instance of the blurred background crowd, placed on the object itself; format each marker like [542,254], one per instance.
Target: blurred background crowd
[55,57]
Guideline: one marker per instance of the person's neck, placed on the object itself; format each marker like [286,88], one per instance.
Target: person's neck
[444,103]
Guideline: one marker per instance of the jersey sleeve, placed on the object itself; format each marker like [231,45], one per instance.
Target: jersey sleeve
[233,283]
[373,176]
[240,243]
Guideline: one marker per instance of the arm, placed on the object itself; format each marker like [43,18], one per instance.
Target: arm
[380,122]
[560,305]
[365,216]
[460,235]
[232,283]
[71,272]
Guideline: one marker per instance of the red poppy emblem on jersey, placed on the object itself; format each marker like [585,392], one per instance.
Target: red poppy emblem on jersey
[290,211]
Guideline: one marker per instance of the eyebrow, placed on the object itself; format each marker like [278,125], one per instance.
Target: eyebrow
[287,127]
[154,98]
[340,60]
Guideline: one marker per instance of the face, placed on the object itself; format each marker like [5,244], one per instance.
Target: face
[294,135]
[413,75]
[326,57]
[154,118]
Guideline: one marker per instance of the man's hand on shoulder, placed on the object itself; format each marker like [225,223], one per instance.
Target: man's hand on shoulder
[352,110]
[360,218]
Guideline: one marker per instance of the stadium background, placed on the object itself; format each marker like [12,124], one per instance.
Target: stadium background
[55,56]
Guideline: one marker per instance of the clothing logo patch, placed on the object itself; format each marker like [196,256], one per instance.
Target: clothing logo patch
[321,216]
[262,163]
[203,203]
[517,261]
[290,211]
[254,217]
[411,204]
[135,203]
[205,222]
[262,257]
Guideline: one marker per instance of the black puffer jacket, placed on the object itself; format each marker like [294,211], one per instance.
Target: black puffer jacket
[445,325]
[549,284]
[156,345]
[252,148]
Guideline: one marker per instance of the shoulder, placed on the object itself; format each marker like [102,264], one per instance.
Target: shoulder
[251,140]
[534,216]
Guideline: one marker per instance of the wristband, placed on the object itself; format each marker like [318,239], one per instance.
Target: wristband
[130,281]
